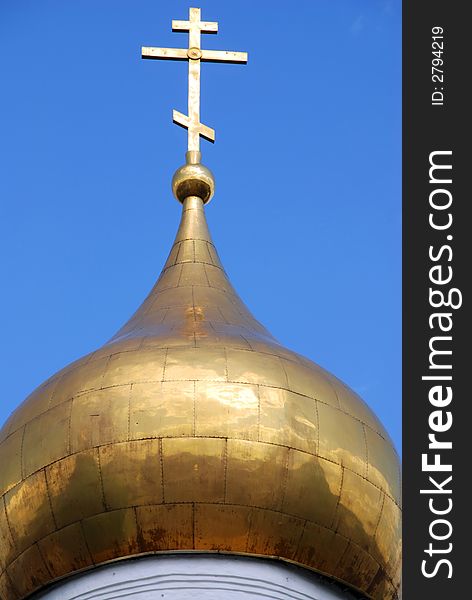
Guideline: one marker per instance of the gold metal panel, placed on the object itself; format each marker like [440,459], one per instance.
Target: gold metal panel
[171,259]
[7,592]
[193,469]
[193,274]
[83,377]
[7,545]
[253,367]
[256,474]
[357,566]
[310,382]
[320,548]
[46,438]
[258,328]
[172,297]
[222,527]
[165,527]
[233,332]
[388,536]
[135,367]
[215,259]
[383,469]
[35,404]
[186,251]
[65,551]
[131,473]
[75,487]
[28,571]
[272,347]
[342,439]
[359,509]
[208,314]
[217,279]
[353,404]
[235,314]
[149,320]
[28,511]
[208,296]
[202,253]
[99,417]
[172,317]
[164,337]
[383,588]
[124,344]
[170,278]
[10,461]
[288,419]
[229,410]
[111,535]
[163,409]
[204,364]
[220,340]
[193,226]
[274,534]
[312,488]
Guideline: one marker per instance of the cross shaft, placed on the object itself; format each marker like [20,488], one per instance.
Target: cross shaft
[194,54]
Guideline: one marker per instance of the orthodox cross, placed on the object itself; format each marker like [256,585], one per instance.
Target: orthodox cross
[194,54]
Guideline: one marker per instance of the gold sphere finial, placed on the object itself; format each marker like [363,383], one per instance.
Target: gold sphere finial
[193,179]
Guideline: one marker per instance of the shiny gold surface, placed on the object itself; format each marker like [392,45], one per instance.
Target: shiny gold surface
[193,429]
[194,54]
[193,179]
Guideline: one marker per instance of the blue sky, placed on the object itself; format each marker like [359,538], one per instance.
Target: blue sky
[307,214]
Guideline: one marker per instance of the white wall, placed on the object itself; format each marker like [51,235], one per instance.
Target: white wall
[195,577]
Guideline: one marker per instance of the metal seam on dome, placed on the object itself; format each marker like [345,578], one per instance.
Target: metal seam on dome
[161,461]
[4,504]
[284,370]
[22,470]
[194,409]
[317,428]
[99,464]
[129,410]
[48,493]
[225,460]
[43,559]
[258,412]
[285,479]
[193,503]
[69,426]
[89,390]
[206,436]
[335,393]
[206,274]
[83,392]
[366,451]
[300,537]
[333,522]
[379,518]
[178,280]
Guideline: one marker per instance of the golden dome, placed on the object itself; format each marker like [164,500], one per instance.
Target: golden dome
[193,429]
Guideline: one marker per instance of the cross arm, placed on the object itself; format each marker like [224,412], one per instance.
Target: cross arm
[164,53]
[204,26]
[224,56]
[207,132]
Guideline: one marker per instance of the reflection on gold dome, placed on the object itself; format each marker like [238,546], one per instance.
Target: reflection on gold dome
[193,429]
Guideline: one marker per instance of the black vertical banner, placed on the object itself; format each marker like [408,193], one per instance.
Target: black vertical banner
[437,265]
